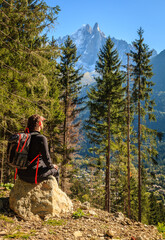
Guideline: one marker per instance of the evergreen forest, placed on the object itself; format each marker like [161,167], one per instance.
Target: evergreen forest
[98,136]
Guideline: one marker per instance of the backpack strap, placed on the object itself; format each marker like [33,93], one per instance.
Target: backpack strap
[24,142]
[18,142]
[27,130]
[15,176]
[37,168]
[16,170]
[37,157]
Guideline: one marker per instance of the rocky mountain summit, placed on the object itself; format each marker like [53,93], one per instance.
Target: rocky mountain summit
[83,223]
[89,40]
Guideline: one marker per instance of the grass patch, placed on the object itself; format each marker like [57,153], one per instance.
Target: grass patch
[21,235]
[52,232]
[3,193]
[54,222]
[6,219]
[8,186]
[78,214]
[18,227]
[161,229]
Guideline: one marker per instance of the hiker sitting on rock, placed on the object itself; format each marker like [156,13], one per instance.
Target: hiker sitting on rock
[43,168]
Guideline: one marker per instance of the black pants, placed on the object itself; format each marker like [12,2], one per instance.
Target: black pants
[43,174]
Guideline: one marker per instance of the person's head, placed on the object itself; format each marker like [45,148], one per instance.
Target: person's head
[35,123]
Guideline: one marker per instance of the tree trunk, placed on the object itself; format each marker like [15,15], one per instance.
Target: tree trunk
[3,152]
[63,177]
[2,162]
[63,167]
[139,156]
[107,176]
[128,138]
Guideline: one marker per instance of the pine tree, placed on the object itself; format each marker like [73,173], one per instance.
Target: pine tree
[21,59]
[69,79]
[50,98]
[128,135]
[161,212]
[23,77]
[153,210]
[105,104]
[142,89]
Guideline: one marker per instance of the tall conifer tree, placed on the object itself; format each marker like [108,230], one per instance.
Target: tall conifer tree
[21,56]
[105,103]
[70,79]
[24,62]
[142,90]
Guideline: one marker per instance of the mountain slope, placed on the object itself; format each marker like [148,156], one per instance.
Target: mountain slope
[85,223]
[158,63]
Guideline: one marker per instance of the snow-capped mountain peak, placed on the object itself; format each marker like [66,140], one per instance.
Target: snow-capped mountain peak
[89,40]
[96,27]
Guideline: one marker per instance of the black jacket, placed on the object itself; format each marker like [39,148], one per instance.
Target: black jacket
[38,145]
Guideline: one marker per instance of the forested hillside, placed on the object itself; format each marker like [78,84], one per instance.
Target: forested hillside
[39,77]
[158,63]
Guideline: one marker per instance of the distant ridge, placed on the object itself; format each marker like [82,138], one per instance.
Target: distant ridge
[158,63]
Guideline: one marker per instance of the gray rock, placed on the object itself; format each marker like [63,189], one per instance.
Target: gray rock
[101,235]
[93,213]
[31,201]
[119,215]
[85,206]
[2,233]
[128,221]
[77,234]
[109,233]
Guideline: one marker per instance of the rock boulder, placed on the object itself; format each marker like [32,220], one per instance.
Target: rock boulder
[44,199]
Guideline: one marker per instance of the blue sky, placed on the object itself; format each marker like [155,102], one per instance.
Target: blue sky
[116,18]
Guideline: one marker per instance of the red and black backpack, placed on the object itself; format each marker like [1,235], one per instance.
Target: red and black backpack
[17,151]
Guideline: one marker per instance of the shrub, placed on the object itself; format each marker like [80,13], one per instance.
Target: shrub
[161,229]
[78,214]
